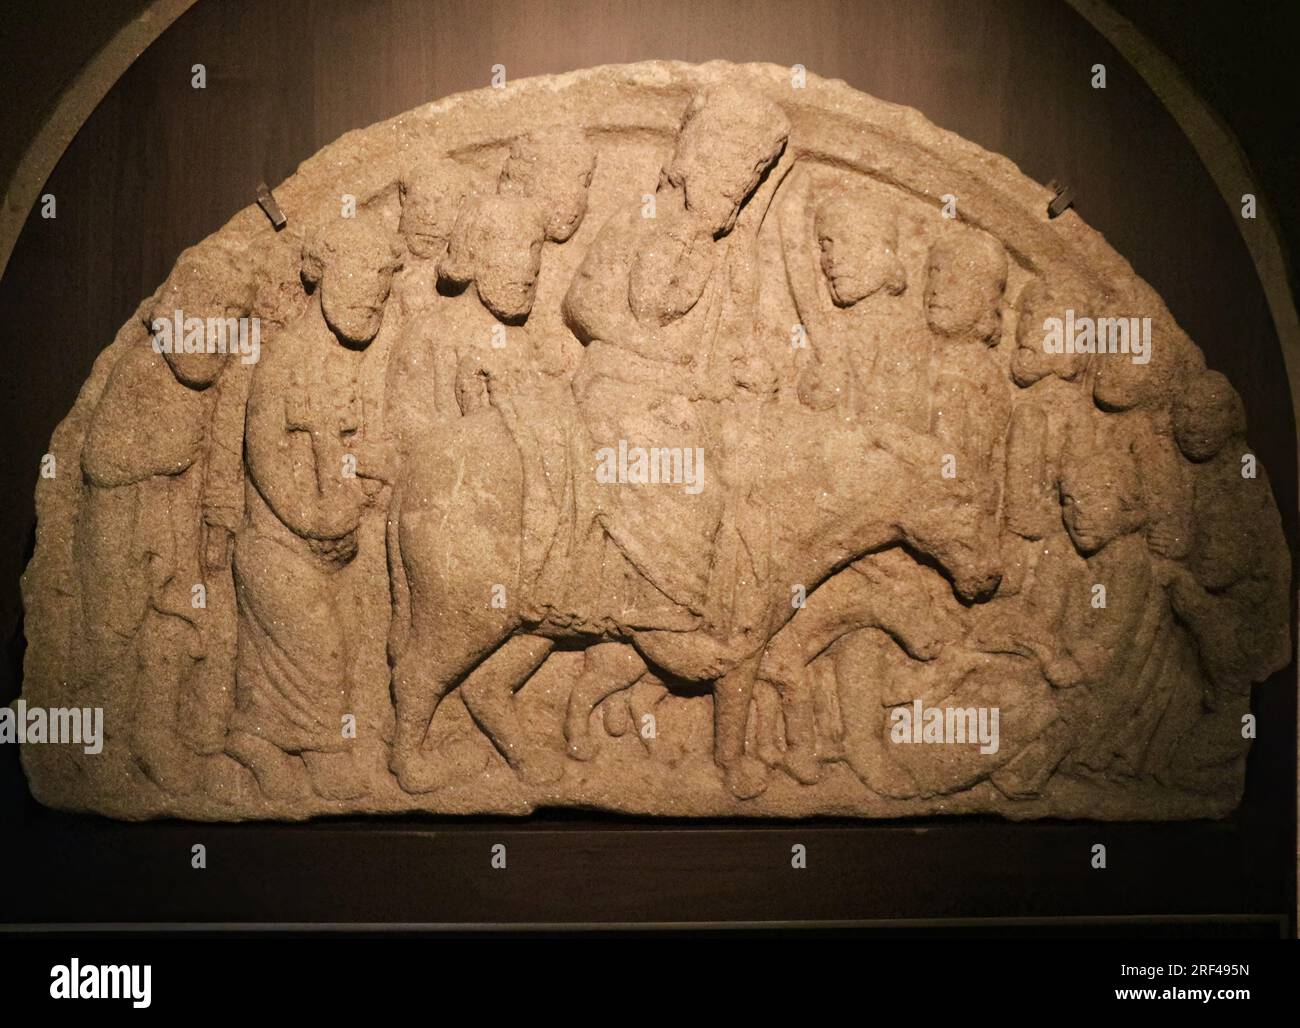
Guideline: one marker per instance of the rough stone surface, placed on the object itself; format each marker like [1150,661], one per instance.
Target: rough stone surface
[662,439]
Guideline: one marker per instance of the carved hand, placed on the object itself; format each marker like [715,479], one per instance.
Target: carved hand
[376,459]
[338,514]
[819,388]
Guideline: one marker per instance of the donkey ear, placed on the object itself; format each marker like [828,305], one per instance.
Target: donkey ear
[458,265]
[313,261]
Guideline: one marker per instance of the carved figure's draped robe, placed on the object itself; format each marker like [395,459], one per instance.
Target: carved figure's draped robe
[664,531]
[294,661]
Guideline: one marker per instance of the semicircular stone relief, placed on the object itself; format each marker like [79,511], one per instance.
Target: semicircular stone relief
[664,439]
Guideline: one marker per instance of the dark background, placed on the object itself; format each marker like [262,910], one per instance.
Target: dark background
[160,165]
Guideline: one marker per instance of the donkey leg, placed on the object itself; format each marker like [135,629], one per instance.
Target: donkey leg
[607,668]
[746,776]
[785,667]
[826,712]
[842,604]
[489,693]
[432,662]
[768,727]
[456,495]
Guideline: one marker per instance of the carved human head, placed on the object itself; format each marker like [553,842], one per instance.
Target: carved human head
[554,168]
[1120,383]
[858,239]
[213,285]
[1207,414]
[497,244]
[432,192]
[1101,497]
[966,276]
[351,262]
[1031,361]
[729,137]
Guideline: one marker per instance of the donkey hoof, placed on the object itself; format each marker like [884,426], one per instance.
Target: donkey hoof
[746,778]
[419,775]
[769,754]
[803,765]
[584,746]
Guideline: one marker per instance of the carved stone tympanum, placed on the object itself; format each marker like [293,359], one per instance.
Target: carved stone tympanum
[668,439]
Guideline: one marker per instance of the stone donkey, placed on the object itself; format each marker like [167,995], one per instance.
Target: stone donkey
[457,536]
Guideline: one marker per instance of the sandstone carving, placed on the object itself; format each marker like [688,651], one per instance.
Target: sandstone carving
[663,439]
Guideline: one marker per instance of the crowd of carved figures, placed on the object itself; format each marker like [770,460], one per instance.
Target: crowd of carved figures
[941,493]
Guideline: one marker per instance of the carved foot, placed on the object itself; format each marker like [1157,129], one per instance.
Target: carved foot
[225,779]
[746,778]
[335,776]
[457,758]
[802,764]
[584,745]
[168,762]
[279,775]
[420,773]
[769,753]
